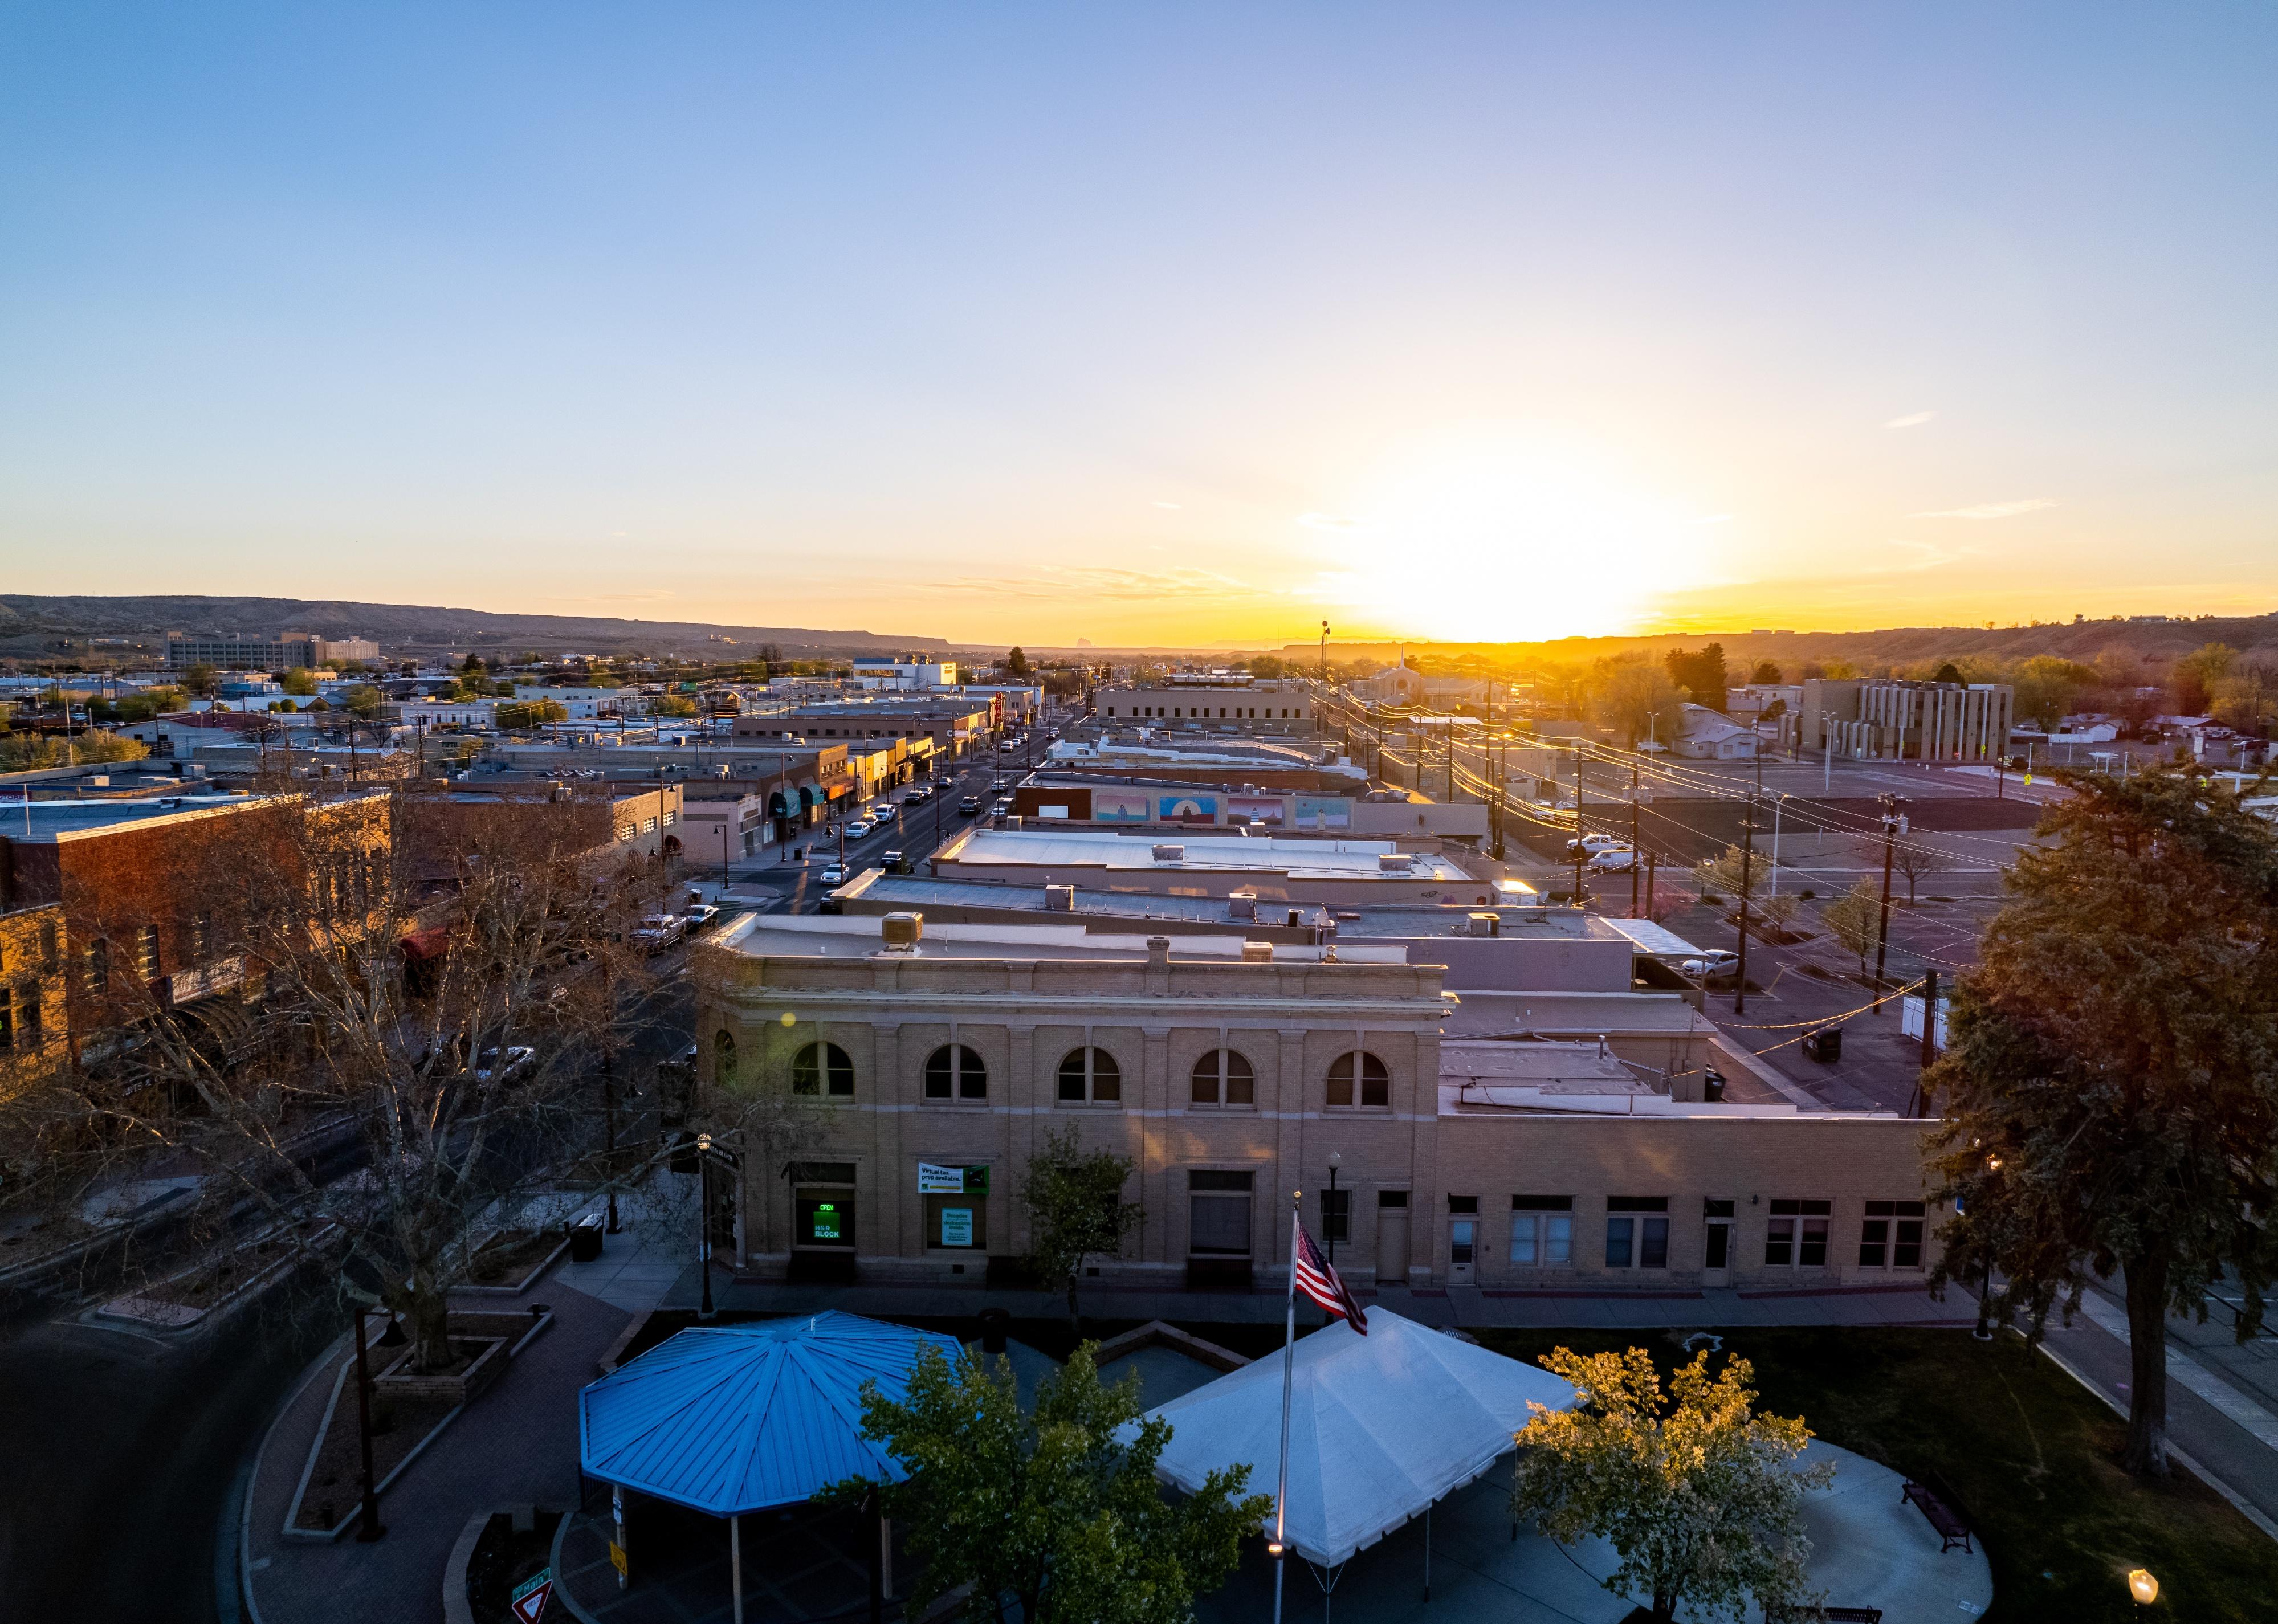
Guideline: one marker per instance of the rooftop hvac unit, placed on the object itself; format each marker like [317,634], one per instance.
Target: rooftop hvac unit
[1487,925]
[1059,899]
[1170,854]
[902,930]
[1392,863]
[1242,905]
[1256,952]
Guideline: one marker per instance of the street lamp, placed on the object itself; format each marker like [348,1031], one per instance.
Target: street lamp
[369,1528]
[1329,1210]
[2142,1587]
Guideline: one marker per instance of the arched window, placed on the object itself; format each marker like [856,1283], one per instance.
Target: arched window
[723,1056]
[1223,1076]
[1375,1081]
[823,1068]
[1090,1074]
[955,1072]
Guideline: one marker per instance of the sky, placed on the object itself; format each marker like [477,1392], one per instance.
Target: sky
[1164,324]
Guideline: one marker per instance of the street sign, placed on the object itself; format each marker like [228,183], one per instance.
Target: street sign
[617,1559]
[529,1596]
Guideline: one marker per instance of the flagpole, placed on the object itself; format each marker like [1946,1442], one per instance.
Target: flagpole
[1288,1376]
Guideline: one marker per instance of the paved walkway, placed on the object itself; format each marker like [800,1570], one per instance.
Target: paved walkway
[516,1444]
[1467,1306]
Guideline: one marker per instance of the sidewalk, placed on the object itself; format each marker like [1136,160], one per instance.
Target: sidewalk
[1467,1306]
[515,1444]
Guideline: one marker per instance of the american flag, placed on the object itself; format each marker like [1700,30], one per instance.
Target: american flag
[1319,1281]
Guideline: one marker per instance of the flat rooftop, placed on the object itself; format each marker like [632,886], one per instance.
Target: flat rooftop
[824,936]
[916,893]
[49,821]
[1326,859]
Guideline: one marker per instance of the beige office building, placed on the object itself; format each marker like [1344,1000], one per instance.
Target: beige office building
[1231,1073]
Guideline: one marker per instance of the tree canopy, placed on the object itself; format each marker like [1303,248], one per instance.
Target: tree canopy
[1695,1493]
[2110,1095]
[1049,1508]
[1700,675]
[1075,1208]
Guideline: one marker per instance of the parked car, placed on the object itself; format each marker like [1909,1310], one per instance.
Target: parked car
[833,874]
[1593,843]
[699,915]
[659,931]
[498,1065]
[1712,964]
[1612,860]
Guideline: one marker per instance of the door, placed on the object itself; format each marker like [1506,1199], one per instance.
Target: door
[1462,1244]
[1717,1216]
[1392,1238]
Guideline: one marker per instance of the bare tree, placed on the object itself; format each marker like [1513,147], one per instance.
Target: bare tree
[1912,860]
[438,1002]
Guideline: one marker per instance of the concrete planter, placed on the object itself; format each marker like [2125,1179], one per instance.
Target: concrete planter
[400,1378]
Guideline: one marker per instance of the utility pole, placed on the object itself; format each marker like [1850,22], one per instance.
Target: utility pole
[1633,845]
[1928,1035]
[1578,853]
[1893,822]
[1747,879]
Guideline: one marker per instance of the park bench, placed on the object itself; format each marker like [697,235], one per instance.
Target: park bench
[1950,1528]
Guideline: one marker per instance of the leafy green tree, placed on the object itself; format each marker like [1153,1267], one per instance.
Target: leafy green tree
[2192,678]
[1948,672]
[531,713]
[1695,1493]
[1766,671]
[1855,921]
[672,705]
[1268,665]
[362,699]
[1016,662]
[199,680]
[1051,1510]
[1077,1208]
[1721,875]
[2110,1095]
[299,680]
[1633,699]
[1701,675]
[473,665]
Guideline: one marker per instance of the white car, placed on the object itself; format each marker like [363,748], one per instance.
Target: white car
[1712,962]
[659,931]
[834,875]
[1595,843]
[859,828]
[700,914]
[496,1066]
[1612,860]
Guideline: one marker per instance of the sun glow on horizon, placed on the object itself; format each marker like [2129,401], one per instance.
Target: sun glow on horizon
[1507,540]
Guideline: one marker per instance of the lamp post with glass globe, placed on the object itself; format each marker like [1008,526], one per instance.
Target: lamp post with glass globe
[368,1527]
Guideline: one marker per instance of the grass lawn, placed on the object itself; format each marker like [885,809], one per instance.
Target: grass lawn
[2025,1450]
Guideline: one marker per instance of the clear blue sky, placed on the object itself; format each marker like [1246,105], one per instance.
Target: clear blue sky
[1158,322]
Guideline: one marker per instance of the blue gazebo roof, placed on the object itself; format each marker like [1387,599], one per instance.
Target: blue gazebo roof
[730,1419]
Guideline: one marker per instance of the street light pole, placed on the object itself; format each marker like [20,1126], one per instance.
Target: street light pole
[369,1528]
[1893,821]
[1748,860]
[1329,1213]
[704,1222]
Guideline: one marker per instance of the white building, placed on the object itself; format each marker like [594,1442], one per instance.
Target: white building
[903,672]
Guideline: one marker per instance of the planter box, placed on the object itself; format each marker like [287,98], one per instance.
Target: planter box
[400,1378]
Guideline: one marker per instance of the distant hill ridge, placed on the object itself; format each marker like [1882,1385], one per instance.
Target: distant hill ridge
[398,625]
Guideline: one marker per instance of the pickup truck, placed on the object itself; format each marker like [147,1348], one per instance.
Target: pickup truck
[659,931]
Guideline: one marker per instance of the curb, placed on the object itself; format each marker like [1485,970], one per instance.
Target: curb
[245,1511]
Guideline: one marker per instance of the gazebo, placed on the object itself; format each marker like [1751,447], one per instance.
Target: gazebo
[1382,1427]
[731,1419]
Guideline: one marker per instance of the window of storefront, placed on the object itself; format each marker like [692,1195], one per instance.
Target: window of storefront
[1891,1236]
[955,1072]
[1637,1232]
[1089,1074]
[957,1222]
[1541,1230]
[1375,1081]
[1217,1212]
[1796,1237]
[822,1204]
[1223,1076]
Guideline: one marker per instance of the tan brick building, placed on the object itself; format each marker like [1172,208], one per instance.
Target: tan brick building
[35,990]
[1230,1073]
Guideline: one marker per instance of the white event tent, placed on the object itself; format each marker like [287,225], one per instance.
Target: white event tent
[1381,1428]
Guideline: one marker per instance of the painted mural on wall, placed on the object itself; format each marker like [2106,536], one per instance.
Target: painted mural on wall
[1187,808]
[1269,809]
[1322,811]
[1120,806]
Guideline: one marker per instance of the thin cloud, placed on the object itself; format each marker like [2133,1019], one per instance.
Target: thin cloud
[1330,522]
[1991,510]
[1168,506]
[1134,585]
[1912,419]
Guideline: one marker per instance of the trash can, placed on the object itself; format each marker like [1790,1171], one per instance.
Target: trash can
[585,1238]
[1825,1046]
[1712,1086]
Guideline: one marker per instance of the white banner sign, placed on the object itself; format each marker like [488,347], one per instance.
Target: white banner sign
[933,1180]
